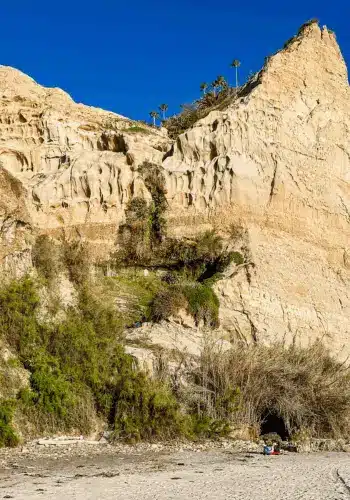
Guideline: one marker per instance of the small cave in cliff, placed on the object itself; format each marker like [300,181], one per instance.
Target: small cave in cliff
[271,422]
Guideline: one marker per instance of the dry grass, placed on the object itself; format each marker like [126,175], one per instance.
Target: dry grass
[306,387]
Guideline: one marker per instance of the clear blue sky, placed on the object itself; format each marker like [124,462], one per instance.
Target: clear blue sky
[130,56]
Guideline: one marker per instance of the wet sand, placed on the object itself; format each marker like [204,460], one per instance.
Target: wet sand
[216,474]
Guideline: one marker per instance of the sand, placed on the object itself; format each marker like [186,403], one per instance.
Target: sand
[216,474]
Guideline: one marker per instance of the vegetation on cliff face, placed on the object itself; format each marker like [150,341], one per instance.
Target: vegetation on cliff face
[80,373]
[8,436]
[191,266]
[218,97]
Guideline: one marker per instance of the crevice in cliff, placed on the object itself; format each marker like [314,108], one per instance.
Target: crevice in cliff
[346,210]
[273,181]
[169,153]
[253,329]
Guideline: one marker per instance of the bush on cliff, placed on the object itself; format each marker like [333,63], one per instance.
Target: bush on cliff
[77,261]
[304,386]
[146,408]
[79,369]
[47,257]
[8,436]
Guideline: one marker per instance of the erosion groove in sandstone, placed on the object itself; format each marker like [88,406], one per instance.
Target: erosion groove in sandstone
[276,160]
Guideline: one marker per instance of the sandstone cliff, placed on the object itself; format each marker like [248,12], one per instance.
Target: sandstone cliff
[276,160]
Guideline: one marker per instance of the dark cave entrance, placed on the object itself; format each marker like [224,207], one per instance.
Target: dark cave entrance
[272,422]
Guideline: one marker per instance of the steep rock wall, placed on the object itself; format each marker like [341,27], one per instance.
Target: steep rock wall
[276,160]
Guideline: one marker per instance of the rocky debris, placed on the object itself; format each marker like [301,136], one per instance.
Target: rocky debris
[71,447]
[57,448]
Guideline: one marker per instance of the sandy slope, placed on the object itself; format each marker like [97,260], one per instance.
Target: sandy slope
[187,475]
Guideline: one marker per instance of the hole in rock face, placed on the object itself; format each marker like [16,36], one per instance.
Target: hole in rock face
[213,151]
[272,422]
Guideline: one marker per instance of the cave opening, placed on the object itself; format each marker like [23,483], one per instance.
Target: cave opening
[272,422]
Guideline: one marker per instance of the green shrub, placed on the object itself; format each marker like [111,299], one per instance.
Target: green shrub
[18,325]
[8,436]
[191,113]
[135,291]
[209,246]
[77,261]
[206,427]
[135,234]
[47,257]
[69,362]
[307,24]
[137,210]
[198,299]
[203,303]
[52,409]
[198,259]
[167,303]
[146,409]
[155,182]
[237,258]
[51,391]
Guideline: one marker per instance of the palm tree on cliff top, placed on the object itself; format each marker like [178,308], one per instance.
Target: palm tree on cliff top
[236,64]
[203,87]
[154,115]
[163,108]
[221,82]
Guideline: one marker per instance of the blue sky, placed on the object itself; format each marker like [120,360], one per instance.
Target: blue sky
[129,57]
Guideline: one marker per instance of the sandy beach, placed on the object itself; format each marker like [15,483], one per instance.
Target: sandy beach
[195,475]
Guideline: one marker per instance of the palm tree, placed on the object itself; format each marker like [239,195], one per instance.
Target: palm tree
[203,87]
[236,64]
[221,82]
[214,86]
[163,108]
[154,115]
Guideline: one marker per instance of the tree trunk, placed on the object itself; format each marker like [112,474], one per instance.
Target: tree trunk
[236,76]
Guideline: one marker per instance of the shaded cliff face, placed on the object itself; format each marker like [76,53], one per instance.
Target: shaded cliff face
[276,161]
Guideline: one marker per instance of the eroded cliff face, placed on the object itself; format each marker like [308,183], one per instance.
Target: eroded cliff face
[276,161]
[76,163]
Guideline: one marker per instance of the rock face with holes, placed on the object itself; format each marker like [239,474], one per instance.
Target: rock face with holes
[275,161]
